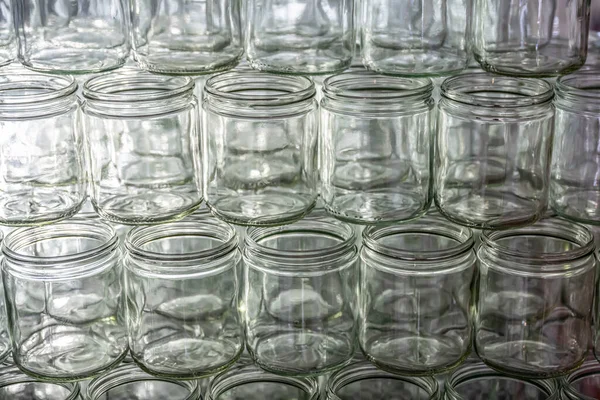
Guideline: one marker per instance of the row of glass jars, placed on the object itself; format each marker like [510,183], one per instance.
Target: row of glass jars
[297,36]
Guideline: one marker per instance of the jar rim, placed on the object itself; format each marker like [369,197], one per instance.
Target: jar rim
[12,375]
[38,88]
[584,85]
[589,368]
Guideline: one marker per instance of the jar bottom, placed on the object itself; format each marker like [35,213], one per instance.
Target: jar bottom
[414,62]
[39,207]
[554,60]
[579,205]
[307,61]
[176,61]
[75,61]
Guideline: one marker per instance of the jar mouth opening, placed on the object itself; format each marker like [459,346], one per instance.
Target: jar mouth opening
[10,376]
[368,86]
[26,87]
[491,91]
[589,370]
[584,84]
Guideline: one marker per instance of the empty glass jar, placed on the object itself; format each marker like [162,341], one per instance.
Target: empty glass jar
[494,138]
[575,189]
[182,282]
[186,37]
[63,292]
[259,150]
[300,36]
[530,38]
[535,298]
[422,37]
[128,382]
[77,36]
[583,384]
[415,295]
[300,296]
[362,381]
[41,163]
[142,135]
[15,385]
[375,147]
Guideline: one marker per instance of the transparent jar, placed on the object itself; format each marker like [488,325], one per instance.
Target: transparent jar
[250,383]
[477,381]
[535,298]
[416,38]
[74,37]
[15,385]
[128,382]
[583,384]
[142,135]
[5,345]
[259,150]
[300,36]
[42,177]
[182,282]
[574,186]
[300,293]
[8,41]
[375,147]
[362,381]
[415,295]
[186,37]
[494,140]
[530,38]
[63,292]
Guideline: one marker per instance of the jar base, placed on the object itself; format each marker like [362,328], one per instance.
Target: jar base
[75,61]
[173,62]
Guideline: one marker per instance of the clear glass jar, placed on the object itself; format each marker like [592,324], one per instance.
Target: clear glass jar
[535,298]
[42,177]
[250,383]
[8,41]
[15,385]
[477,381]
[182,282]
[416,38]
[74,37]
[583,384]
[300,294]
[494,140]
[364,381]
[300,36]
[530,38]
[259,150]
[64,303]
[128,382]
[186,37]
[142,135]
[415,295]
[375,147]
[574,186]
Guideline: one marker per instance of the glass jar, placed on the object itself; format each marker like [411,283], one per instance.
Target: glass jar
[74,37]
[186,37]
[364,381]
[42,176]
[142,135]
[575,189]
[250,383]
[300,293]
[128,382]
[63,293]
[418,38]
[494,140]
[376,144]
[259,150]
[530,38]
[477,381]
[535,298]
[300,36]
[8,41]
[182,282]
[15,385]
[415,295]
[583,384]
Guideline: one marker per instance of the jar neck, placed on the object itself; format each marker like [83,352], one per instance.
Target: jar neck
[579,93]
[10,376]
[590,369]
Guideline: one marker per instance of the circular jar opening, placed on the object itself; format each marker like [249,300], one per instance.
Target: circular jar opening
[15,385]
[584,384]
[129,382]
[25,87]
[582,86]
[364,381]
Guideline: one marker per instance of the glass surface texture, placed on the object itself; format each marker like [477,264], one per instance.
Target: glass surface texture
[531,37]
[300,296]
[259,147]
[535,298]
[494,140]
[182,283]
[583,384]
[142,136]
[375,147]
[72,36]
[415,295]
[8,41]
[575,188]
[300,36]
[419,38]
[186,36]
[42,176]
[63,291]
[14,385]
